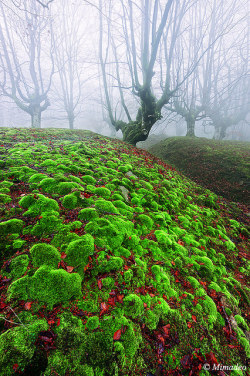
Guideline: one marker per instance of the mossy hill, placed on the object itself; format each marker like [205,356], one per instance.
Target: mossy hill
[112,263]
[221,166]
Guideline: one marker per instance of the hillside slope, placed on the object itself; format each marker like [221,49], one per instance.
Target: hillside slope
[222,166]
[112,263]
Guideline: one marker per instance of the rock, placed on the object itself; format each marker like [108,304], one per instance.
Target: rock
[124,192]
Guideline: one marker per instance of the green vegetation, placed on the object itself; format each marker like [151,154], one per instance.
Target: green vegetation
[113,263]
[222,166]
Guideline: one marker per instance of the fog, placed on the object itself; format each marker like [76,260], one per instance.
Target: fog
[127,69]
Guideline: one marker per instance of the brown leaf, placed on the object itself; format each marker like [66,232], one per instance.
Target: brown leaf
[27,306]
[117,335]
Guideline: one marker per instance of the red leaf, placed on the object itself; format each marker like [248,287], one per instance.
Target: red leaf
[58,322]
[120,298]
[15,366]
[210,357]
[117,335]
[104,308]
[27,306]
[69,269]
[194,318]
[63,255]
[166,329]
[99,282]
[189,324]
[51,321]
[86,267]
[111,301]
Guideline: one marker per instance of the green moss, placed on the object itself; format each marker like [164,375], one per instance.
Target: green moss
[146,221]
[103,192]
[6,184]
[133,306]
[11,226]
[245,344]
[108,283]
[163,238]
[48,185]
[128,275]
[70,201]
[88,179]
[92,323]
[125,168]
[18,244]
[17,346]
[48,224]
[36,178]
[79,250]
[47,286]
[112,264]
[105,207]
[27,201]
[87,214]
[45,254]
[161,308]
[241,322]
[5,199]
[37,204]
[4,190]
[48,162]
[151,320]
[19,266]
[64,188]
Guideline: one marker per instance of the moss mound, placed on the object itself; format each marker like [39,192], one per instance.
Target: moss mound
[222,166]
[113,263]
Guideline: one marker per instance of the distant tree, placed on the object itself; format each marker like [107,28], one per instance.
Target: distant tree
[226,82]
[26,58]
[195,54]
[68,38]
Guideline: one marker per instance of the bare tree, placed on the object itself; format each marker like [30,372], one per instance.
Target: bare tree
[25,70]
[142,47]
[226,89]
[68,41]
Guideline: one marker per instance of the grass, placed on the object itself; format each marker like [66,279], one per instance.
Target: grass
[221,166]
[114,263]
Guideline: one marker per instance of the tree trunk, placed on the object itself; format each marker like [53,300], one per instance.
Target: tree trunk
[71,122]
[36,117]
[219,133]
[134,132]
[190,126]
[146,117]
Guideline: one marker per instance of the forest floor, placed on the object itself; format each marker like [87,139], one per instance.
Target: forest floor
[115,264]
[221,166]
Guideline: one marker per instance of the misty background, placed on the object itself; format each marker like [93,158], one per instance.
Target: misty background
[75,64]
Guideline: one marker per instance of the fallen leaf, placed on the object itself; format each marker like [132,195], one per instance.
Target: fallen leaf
[117,335]
[194,318]
[99,283]
[69,269]
[27,306]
